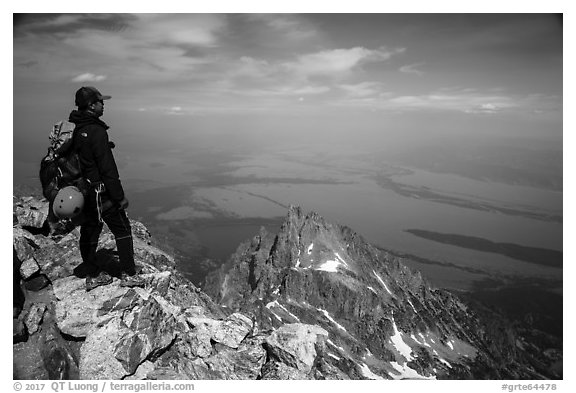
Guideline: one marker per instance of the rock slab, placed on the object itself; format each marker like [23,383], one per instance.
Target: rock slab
[297,345]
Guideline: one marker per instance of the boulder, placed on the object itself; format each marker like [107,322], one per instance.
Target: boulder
[140,231]
[23,243]
[324,370]
[199,341]
[28,268]
[72,236]
[36,283]
[19,333]
[245,362]
[161,282]
[232,330]
[34,203]
[59,259]
[57,356]
[296,345]
[27,363]
[279,371]
[142,372]
[97,360]
[151,331]
[153,259]
[168,307]
[178,362]
[166,373]
[209,323]
[32,214]
[192,300]
[34,317]
[121,302]
[78,311]
[198,369]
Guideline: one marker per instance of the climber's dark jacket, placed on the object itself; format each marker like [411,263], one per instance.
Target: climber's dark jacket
[95,152]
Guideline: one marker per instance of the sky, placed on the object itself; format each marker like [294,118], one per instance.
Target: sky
[470,73]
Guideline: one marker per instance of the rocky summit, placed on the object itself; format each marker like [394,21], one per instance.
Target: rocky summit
[314,301]
[382,320]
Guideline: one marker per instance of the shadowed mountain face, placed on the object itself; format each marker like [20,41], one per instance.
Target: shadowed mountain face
[384,321]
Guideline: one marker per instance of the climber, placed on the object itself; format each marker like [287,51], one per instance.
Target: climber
[105,201]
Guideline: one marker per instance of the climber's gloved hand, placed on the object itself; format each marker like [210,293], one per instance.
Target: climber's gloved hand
[124,203]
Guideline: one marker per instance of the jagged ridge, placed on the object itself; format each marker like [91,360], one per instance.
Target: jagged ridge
[169,329]
[314,301]
[384,320]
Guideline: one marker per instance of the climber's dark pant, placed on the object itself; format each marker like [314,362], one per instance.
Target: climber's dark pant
[91,228]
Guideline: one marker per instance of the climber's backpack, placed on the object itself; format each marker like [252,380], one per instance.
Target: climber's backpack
[61,165]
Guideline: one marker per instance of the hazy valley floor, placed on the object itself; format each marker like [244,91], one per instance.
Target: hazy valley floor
[476,227]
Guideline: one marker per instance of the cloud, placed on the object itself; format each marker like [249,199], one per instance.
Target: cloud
[146,60]
[63,20]
[47,23]
[338,61]
[151,47]
[200,61]
[66,25]
[333,62]
[28,64]
[279,91]
[89,77]
[178,29]
[461,101]
[471,101]
[175,110]
[363,89]
[484,109]
[250,67]
[412,69]
[163,29]
[261,77]
[292,27]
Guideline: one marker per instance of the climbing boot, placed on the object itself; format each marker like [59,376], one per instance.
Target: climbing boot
[102,278]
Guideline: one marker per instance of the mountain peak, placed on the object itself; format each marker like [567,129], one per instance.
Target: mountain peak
[307,241]
[384,320]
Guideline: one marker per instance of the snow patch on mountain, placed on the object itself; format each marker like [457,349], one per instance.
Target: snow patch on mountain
[406,372]
[275,303]
[399,343]
[329,266]
[382,282]
[423,342]
[333,356]
[368,373]
[327,315]
[445,362]
[336,346]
